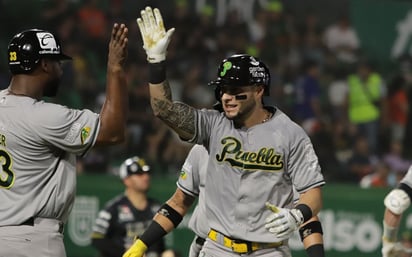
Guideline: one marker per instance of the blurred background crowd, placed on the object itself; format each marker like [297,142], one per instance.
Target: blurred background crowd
[313,50]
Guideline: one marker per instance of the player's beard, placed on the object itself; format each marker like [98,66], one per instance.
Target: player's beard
[52,87]
[244,112]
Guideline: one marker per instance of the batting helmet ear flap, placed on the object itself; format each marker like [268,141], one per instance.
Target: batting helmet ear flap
[23,54]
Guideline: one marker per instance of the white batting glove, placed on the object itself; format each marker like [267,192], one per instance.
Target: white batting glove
[155,38]
[283,222]
[391,249]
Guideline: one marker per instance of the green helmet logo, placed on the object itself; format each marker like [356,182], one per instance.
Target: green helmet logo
[226,66]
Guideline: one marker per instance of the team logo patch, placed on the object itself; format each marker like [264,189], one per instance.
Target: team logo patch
[84,134]
[183,174]
[125,214]
[48,43]
[226,66]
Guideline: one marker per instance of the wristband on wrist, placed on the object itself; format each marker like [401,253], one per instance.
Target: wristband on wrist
[316,250]
[305,210]
[171,214]
[152,234]
[310,228]
[157,72]
[407,189]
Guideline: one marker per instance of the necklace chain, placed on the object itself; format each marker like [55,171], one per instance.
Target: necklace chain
[268,116]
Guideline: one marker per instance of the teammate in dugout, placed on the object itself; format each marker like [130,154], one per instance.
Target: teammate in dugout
[257,156]
[40,140]
[126,216]
[396,203]
[192,182]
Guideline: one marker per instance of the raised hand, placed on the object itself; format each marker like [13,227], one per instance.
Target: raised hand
[154,35]
[118,47]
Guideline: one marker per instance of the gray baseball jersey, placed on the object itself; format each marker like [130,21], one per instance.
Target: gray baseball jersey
[407,179]
[192,181]
[250,166]
[39,142]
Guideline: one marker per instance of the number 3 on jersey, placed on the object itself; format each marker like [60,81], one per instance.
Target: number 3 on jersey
[6,174]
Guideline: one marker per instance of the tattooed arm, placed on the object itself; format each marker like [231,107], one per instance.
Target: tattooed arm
[178,116]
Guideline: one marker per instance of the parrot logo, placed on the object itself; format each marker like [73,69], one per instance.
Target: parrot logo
[183,174]
[226,66]
[85,133]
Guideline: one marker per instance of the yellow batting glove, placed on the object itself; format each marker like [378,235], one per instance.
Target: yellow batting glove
[136,250]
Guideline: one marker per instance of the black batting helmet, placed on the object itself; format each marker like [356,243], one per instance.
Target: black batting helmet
[133,165]
[27,48]
[241,70]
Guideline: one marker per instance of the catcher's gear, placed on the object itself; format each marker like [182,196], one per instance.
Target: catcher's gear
[283,222]
[155,38]
[133,165]
[397,201]
[27,48]
[136,250]
[241,70]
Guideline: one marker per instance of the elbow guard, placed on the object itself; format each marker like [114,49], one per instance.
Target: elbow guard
[397,201]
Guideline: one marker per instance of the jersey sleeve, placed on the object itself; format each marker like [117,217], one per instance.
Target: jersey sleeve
[303,164]
[71,130]
[189,178]
[205,121]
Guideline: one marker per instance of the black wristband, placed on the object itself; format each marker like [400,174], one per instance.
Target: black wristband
[316,250]
[171,214]
[306,211]
[407,189]
[157,72]
[310,228]
[152,234]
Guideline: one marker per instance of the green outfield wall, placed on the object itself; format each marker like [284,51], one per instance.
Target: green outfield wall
[351,217]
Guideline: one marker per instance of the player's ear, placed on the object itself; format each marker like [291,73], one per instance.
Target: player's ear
[45,65]
[260,89]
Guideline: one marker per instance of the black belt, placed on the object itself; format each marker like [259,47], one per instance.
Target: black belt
[200,240]
[30,222]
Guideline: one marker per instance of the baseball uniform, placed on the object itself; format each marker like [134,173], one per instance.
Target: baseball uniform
[246,169]
[39,144]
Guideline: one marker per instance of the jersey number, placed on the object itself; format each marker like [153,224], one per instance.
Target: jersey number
[6,174]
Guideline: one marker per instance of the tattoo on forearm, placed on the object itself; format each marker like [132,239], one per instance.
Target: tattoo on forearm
[178,115]
[167,90]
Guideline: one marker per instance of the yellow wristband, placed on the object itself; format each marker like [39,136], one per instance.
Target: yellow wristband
[136,250]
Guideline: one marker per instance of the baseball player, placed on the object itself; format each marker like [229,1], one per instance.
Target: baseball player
[39,141]
[396,202]
[192,181]
[257,156]
[126,216]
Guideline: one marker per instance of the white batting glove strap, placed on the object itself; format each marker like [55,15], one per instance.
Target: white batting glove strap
[397,201]
[283,222]
[391,249]
[155,38]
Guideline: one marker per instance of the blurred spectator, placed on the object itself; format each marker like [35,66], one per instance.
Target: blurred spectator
[337,90]
[362,161]
[365,102]
[380,177]
[398,105]
[395,160]
[342,40]
[307,109]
